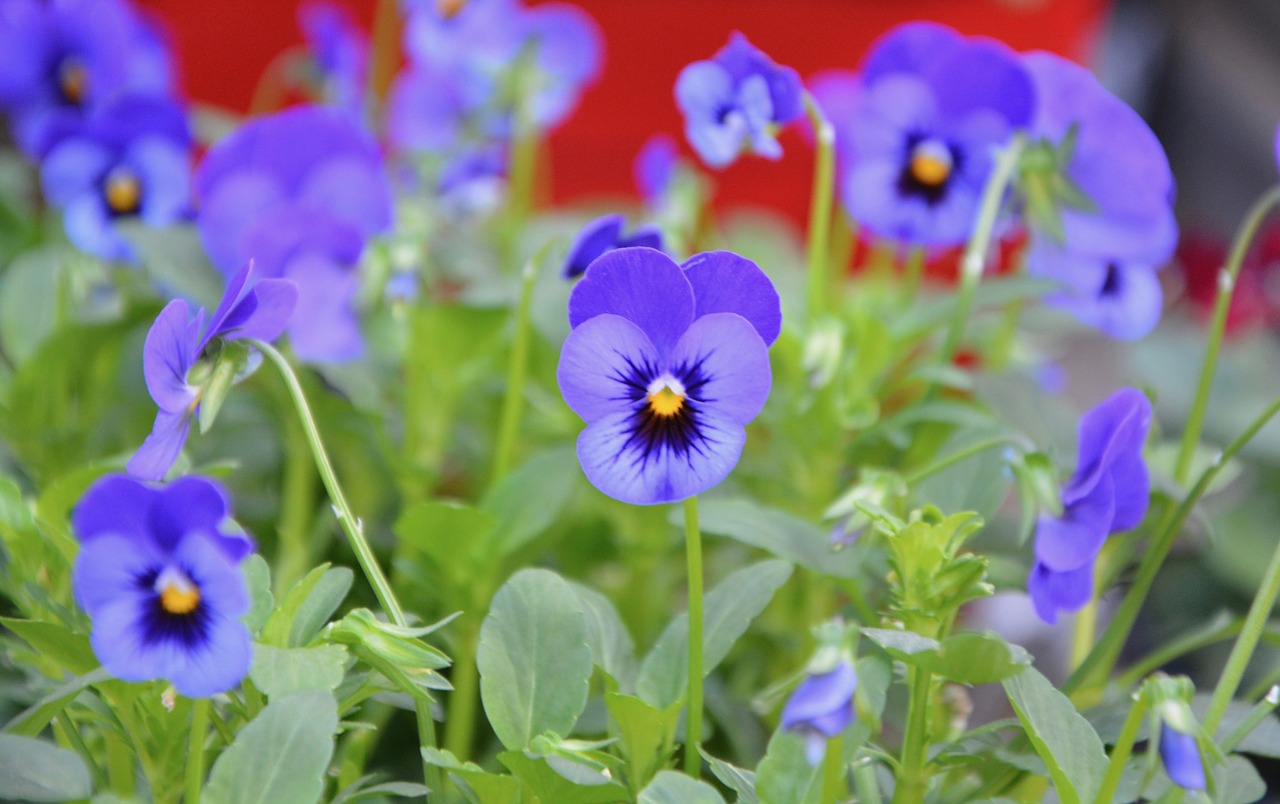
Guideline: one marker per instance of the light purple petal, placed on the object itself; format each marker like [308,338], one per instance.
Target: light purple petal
[229,209]
[596,364]
[324,325]
[654,167]
[72,169]
[154,458]
[724,282]
[108,568]
[89,227]
[217,665]
[1124,300]
[820,696]
[171,349]
[731,360]
[213,569]
[642,285]
[1052,591]
[1181,757]
[165,174]
[118,641]
[351,189]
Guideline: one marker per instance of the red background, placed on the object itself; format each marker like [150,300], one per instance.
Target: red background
[224,46]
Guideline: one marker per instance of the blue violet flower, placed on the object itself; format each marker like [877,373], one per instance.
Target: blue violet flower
[602,235]
[821,708]
[1181,757]
[655,168]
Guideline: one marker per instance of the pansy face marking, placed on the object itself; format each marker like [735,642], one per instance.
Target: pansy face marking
[929,166]
[122,191]
[73,80]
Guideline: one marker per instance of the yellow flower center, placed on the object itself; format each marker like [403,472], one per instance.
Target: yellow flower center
[931,163]
[178,595]
[123,192]
[448,9]
[666,396]
[73,81]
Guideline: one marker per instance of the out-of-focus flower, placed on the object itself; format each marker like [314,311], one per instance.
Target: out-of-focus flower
[431,110]
[340,50]
[737,99]
[1115,226]
[174,346]
[666,363]
[63,57]
[299,193]
[821,708]
[602,235]
[473,183]
[128,160]
[158,574]
[655,168]
[837,93]
[933,109]
[1108,493]
[1181,757]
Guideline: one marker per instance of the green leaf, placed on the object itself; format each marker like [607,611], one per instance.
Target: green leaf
[280,671]
[669,787]
[782,534]
[307,606]
[568,782]
[257,577]
[648,734]
[533,658]
[489,788]
[968,658]
[528,500]
[739,780]
[29,299]
[1065,741]
[68,649]
[281,755]
[32,720]
[176,260]
[611,644]
[785,775]
[355,792]
[451,536]
[34,770]
[728,611]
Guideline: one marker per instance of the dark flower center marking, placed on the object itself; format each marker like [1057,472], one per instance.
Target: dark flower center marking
[1111,284]
[174,612]
[73,80]
[929,164]
[122,190]
[667,409]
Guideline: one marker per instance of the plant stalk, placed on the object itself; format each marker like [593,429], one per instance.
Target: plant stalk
[819,247]
[693,716]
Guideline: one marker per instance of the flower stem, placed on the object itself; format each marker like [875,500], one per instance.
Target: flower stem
[975,253]
[353,528]
[1096,668]
[1122,749]
[864,779]
[459,730]
[912,779]
[1255,717]
[832,767]
[824,139]
[959,456]
[523,168]
[912,274]
[693,714]
[297,507]
[517,371]
[195,753]
[1221,306]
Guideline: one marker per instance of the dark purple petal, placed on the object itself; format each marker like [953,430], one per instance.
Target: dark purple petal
[187,505]
[1052,591]
[260,312]
[732,362]
[115,505]
[823,702]
[724,282]
[1112,431]
[594,239]
[162,447]
[1133,490]
[324,326]
[594,363]
[647,236]
[984,74]
[1181,757]
[910,47]
[1072,540]
[642,285]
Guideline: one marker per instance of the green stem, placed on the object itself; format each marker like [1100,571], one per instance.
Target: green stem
[1002,349]
[1167,653]
[1221,306]
[832,770]
[975,253]
[298,499]
[1122,749]
[517,372]
[912,274]
[693,715]
[353,528]
[1259,713]
[824,139]
[960,455]
[524,163]
[66,727]
[844,240]
[195,754]
[460,723]
[1255,622]
[1095,669]
[864,779]
[912,779]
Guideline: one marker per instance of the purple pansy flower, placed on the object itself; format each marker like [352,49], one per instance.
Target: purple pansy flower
[158,574]
[655,168]
[737,99]
[431,108]
[299,193]
[340,50]
[602,235]
[473,182]
[174,346]
[128,160]
[821,708]
[1181,757]
[1109,252]
[933,109]
[1108,493]
[666,363]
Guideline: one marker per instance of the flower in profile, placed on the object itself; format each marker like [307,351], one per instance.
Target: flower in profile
[1101,204]
[821,708]
[602,235]
[666,364]
[1108,493]
[933,109]
[158,574]
[174,347]
[299,193]
[128,160]
[1181,757]
[655,168]
[340,50]
[736,100]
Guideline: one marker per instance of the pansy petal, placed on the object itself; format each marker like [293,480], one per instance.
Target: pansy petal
[1112,430]
[1180,755]
[90,229]
[724,282]
[213,570]
[109,568]
[646,236]
[219,663]
[73,168]
[324,325]
[725,365]
[1133,490]
[265,312]
[118,640]
[113,506]
[1052,591]
[228,210]
[909,48]
[165,174]
[592,240]
[1072,540]
[188,504]
[353,190]
[640,284]
[155,457]
[601,363]
[819,695]
[983,74]
[171,348]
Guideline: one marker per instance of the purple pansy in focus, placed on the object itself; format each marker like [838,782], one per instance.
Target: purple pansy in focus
[666,363]
[1110,252]
[158,574]
[933,109]
[1108,493]
[174,345]
[128,160]
[821,708]
[737,99]
[602,235]
[1181,757]
[299,193]
[340,50]
[655,168]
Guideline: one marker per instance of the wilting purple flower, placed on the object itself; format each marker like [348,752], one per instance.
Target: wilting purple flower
[340,50]
[821,708]
[933,109]
[1111,249]
[602,235]
[158,574]
[654,168]
[1181,757]
[666,363]
[62,57]
[1108,493]
[737,99]
[128,160]
[174,346]
[299,193]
